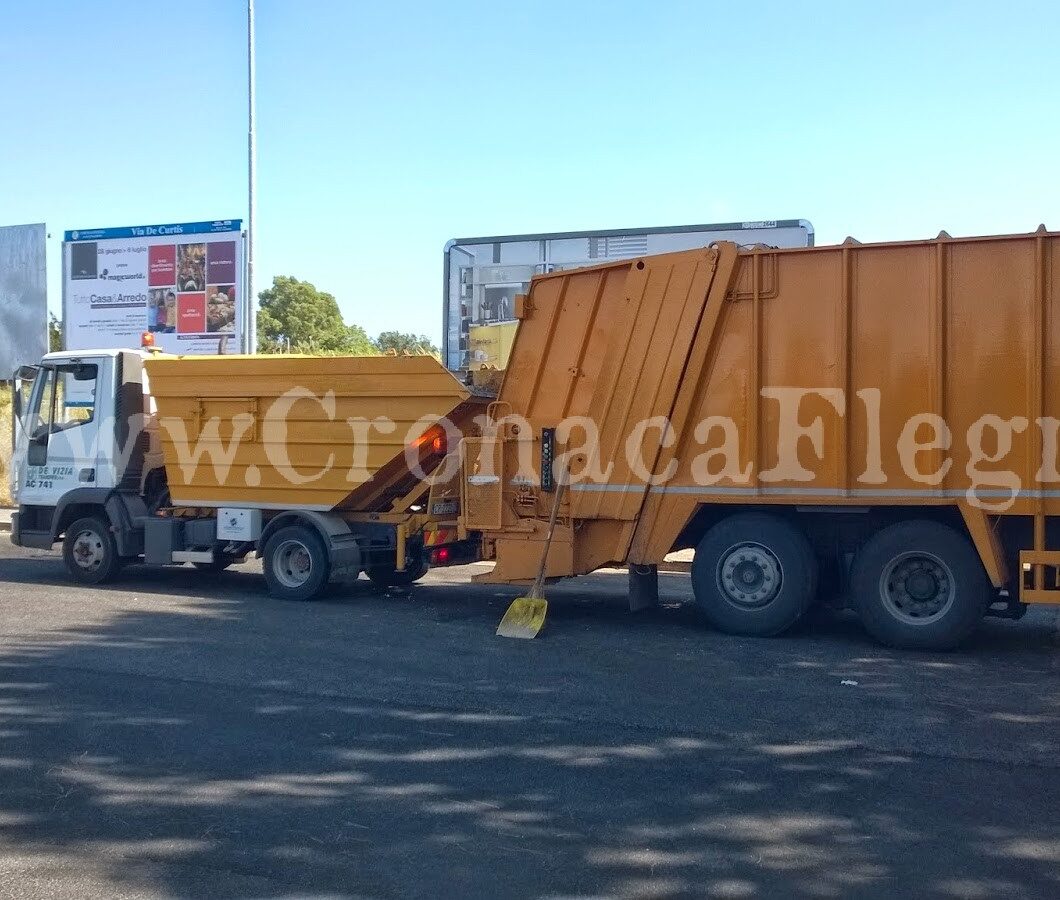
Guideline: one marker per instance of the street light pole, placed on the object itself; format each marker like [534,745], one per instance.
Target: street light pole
[250,301]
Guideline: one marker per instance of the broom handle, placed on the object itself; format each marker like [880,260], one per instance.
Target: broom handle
[539,582]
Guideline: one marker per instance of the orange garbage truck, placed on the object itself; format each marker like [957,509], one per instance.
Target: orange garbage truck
[879,420]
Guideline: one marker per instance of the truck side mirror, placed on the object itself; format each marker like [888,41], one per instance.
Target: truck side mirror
[22,374]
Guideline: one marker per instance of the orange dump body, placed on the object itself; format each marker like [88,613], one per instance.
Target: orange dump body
[299,432]
[925,372]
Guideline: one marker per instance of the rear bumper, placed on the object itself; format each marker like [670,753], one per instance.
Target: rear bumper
[454,553]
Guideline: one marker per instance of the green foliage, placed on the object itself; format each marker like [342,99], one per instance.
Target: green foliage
[55,333]
[400,342]
[295,317]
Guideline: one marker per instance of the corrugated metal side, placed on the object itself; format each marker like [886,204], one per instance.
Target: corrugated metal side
[952,330]
[274,403]
[641,374]
[609,343]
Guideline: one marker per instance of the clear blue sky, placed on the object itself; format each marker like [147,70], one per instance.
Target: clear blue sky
[385,129]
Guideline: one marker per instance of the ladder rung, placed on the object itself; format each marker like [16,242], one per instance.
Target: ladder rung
[1048,576]
[1032,595]
[1040,557]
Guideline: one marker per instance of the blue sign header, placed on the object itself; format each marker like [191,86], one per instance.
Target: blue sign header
[146,231]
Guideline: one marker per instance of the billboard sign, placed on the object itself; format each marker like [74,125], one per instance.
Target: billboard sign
[23,296]
[483,275]
[183,283]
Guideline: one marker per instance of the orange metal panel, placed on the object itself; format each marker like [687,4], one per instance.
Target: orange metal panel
[642,373]
[482,496]
[608,343]
[986,543]
[290,414]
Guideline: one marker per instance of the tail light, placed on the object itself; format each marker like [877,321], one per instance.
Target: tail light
[432,441]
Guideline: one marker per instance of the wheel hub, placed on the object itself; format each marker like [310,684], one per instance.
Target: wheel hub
[88,550]
[921,586]
[917,588]
[294,564]
[749,575]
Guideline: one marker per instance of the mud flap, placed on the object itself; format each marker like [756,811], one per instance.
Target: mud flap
[643,587]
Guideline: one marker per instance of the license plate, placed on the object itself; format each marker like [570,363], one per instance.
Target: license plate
[445,508]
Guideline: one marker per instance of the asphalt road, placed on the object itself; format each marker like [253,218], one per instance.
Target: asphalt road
[179,734]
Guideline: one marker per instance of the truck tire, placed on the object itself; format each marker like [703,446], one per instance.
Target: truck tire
[919,585]
[90,551]
[388,576]
[296,565]
[754,574]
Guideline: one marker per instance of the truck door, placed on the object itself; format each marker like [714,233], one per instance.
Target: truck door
[21,392]
[61,432]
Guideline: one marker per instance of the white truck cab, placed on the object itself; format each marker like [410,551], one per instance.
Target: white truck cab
[82,438]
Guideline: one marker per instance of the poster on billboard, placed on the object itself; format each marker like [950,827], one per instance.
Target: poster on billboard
[23,296]
[182,283]
[483,275]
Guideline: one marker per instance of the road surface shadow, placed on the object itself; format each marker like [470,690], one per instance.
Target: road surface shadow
[182,790]
[390,746]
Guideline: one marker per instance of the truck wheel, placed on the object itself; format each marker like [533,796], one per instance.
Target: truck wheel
[754,574]
[388,576]
[919,585]
[90,551]
[296,564]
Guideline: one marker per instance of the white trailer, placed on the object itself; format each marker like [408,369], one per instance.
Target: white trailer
[482,275]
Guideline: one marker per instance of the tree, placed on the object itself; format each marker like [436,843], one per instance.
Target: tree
[401,343]
[55,333]
[294,316]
